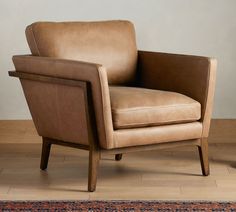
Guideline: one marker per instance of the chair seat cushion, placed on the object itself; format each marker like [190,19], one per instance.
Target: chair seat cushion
[139,107]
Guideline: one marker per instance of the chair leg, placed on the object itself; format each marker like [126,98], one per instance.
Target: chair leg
[94,157]
[203,153]
[118,157]
[46,146]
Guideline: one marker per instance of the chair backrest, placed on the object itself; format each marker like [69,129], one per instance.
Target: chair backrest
[109,43]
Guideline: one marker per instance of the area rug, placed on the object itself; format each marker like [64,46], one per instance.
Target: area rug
[113,206]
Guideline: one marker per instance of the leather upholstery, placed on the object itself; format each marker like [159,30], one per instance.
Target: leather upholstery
[193,76]
[58,112]
[110,43]
[78,88]
[139,107]
[39,93]
[157,134]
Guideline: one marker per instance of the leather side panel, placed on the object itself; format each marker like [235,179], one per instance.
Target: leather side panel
[58,111]
[88,72]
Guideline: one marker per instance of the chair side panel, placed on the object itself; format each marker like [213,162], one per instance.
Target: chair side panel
[58,111]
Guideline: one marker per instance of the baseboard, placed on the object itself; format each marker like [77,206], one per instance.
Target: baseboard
[223,131]
[23,131]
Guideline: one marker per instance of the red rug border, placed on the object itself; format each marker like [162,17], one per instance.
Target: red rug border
[118,205]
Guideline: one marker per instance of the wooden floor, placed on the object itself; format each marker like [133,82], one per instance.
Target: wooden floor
[172,174]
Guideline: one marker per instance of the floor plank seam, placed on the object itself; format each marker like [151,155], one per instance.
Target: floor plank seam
[8,191]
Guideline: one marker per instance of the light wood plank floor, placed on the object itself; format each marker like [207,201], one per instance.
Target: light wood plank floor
[172,174]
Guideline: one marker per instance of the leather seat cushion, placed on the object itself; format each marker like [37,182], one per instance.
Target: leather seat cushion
[139,107]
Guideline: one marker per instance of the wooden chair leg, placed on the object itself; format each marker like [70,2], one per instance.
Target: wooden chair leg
[46,147]
[94,157]
[118,157]
[203,153]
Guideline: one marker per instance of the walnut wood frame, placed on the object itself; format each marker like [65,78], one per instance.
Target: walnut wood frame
[94,149]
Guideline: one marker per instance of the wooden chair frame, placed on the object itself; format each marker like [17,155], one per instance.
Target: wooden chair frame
[94,149]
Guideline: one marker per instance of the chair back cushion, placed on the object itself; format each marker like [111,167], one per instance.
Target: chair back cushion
[109,43]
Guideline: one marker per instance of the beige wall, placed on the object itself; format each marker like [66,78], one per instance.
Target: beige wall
[201,27]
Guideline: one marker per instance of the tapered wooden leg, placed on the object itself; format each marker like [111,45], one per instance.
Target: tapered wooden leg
[94,157]
[118,157]
[45,154]
[203,153]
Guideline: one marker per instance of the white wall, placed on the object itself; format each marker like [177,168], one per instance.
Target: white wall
[201,27]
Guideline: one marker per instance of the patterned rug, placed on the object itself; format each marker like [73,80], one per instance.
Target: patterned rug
[113,206]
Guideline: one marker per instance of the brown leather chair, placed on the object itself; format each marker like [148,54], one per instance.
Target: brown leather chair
[87,86]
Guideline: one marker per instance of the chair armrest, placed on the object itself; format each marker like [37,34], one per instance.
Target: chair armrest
[193,76]
[94,74]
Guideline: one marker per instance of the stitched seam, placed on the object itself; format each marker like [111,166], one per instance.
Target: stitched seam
[170,120]
[154,124]
[150,108]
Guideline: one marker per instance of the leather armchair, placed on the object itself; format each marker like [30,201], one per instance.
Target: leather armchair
[87,86]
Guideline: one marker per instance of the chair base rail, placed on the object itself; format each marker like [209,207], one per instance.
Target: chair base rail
[95,154]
